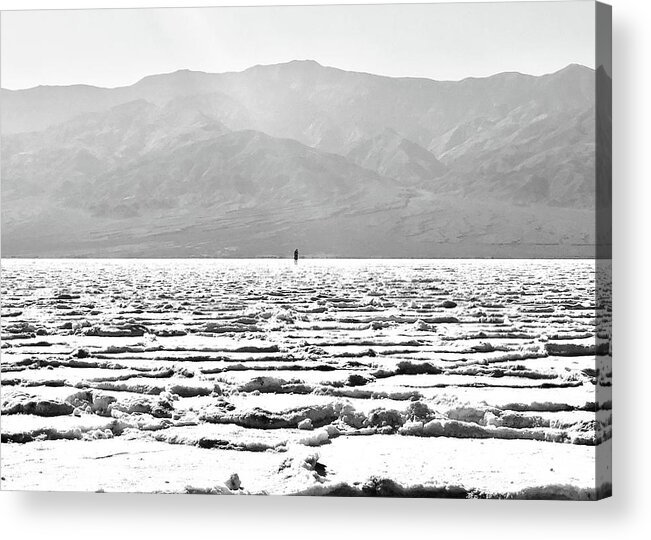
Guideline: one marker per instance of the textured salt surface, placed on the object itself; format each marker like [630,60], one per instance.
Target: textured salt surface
[421,378]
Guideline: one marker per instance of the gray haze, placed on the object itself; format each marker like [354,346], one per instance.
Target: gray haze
[117,47]
[298,154]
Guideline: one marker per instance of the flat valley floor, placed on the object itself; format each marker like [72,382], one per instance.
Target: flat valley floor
[444,378]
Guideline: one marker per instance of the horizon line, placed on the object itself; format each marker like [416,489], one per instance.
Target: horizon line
[305,258]
[305,60]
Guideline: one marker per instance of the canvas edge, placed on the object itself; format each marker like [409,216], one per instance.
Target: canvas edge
[603,226]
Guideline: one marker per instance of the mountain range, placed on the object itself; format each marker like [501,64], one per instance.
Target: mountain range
[337,163]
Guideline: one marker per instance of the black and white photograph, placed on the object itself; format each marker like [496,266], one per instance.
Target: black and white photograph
[337,250]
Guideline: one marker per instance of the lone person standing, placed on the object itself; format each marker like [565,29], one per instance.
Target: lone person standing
[296,255]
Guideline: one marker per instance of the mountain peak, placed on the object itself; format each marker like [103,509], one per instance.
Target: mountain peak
[572,70]
[179,74]
[575,67]
[305,62]
[289,65]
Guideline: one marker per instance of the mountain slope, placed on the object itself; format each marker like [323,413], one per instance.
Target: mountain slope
[394,156]
[241,170]
[352,162]
[166,168]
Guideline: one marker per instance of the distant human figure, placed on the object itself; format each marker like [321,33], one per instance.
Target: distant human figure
[296,255]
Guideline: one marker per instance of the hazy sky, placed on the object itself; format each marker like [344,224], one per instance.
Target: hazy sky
[440,41]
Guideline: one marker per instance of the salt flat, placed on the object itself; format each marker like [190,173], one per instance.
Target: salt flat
[346,377]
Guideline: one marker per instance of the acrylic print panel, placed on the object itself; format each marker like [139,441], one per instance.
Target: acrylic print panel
[327,250]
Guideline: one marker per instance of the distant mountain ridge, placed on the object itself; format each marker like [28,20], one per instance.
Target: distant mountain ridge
[289,145]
